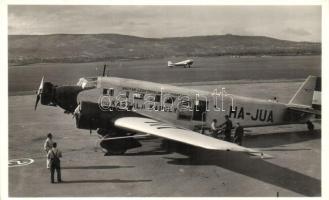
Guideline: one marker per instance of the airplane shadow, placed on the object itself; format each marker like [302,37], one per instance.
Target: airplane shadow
[255,168]
[279,139]
[97,167]
[146,153]
[277,149]
[106,181]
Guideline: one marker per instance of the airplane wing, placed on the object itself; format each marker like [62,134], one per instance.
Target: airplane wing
[181,63]
[168,131]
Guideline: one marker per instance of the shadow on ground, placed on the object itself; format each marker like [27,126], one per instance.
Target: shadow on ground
[97,167]
[106,181]
[243,164]
[256,167]
[279,139]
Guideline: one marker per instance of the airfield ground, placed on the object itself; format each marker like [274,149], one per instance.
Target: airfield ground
[24,79]
[294,170]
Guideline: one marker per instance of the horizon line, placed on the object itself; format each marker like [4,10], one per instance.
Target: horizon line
[227,34]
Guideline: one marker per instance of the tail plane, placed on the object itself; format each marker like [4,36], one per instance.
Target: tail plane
[170,64]
[304,95]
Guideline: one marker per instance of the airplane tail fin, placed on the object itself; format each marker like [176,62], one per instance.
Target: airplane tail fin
[170,64]
[304,95]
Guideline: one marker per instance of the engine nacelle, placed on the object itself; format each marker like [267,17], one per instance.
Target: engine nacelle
[91,117]
[48,94]
[62,96]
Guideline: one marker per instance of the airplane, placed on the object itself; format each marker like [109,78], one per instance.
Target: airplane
[185,63]
[122,110]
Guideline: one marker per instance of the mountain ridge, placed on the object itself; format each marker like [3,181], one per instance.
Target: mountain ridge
[27,49]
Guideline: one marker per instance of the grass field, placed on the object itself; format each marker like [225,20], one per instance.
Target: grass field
[27,78]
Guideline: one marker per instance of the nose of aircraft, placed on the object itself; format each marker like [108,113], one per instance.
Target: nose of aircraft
[63,96]
[66,97]
[45,94]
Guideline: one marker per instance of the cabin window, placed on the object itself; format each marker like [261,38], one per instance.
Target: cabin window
[108,92]
[200,110]
[149,97]
[157,98]
[169,99]
[105,91]
[186,104]
[138,96]
[111,91]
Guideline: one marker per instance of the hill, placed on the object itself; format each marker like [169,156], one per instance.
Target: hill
[25,49]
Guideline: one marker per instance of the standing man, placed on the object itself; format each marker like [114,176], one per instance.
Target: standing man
[227,128]
[239,132]
[47,146]
[213,128]
[55,163]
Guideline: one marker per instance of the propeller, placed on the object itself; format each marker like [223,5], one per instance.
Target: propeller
[39,94]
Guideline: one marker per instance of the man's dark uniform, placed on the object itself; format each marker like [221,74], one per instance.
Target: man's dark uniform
[228,128]
[54,154]
[238,135]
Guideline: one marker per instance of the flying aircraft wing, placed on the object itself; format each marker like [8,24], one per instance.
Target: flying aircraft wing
[168,131]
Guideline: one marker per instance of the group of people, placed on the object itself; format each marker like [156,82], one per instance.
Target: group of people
[53,158]
[226,129]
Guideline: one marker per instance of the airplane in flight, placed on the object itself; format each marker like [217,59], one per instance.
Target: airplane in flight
[122,110]
[184,63]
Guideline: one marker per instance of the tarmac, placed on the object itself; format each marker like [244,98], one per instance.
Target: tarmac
[151,170]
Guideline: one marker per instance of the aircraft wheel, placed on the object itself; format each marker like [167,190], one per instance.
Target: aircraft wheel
[108,149]
[112,151]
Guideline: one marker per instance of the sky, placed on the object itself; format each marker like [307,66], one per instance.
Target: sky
[297,23]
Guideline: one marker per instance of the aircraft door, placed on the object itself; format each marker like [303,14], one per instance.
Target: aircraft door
[200,110]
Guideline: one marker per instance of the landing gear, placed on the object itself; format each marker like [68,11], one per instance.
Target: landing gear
[112,150]
[116,146]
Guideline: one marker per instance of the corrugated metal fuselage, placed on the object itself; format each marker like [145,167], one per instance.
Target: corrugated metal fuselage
[184,107]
